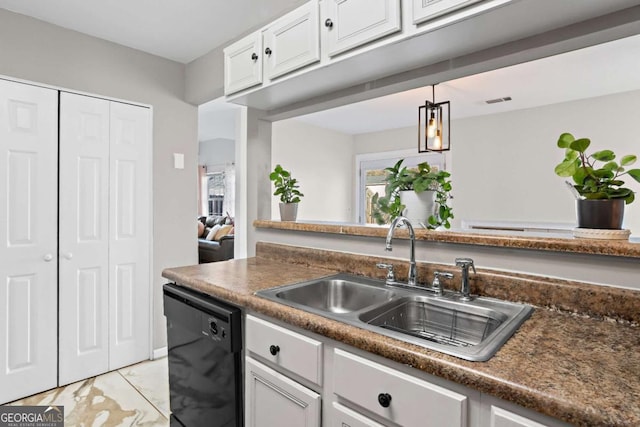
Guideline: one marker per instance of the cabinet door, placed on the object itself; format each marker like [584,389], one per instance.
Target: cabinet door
[345,417]
[355,22]
[129,216]
[424,10]
[273,400]
[292,41]
[84,237]
[243,63]
[28,239]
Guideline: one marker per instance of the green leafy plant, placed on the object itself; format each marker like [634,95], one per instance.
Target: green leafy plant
[423,178]
[286,185]
[593,181]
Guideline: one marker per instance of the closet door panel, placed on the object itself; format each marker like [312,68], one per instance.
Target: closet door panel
[28,239]
[129,244]
[84,237]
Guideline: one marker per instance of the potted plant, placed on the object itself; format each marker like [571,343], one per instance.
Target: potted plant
[407,189]
[287,189]
[601,194]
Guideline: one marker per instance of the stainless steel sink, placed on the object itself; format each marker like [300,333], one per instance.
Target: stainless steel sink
[472,330]
[335,295]
[439,321]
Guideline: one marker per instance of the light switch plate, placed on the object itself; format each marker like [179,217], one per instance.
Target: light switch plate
[178,161]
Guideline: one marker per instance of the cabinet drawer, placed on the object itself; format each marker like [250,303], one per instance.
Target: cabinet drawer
[290,350]
[411,402]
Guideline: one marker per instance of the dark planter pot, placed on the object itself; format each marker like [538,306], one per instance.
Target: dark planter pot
[600,214]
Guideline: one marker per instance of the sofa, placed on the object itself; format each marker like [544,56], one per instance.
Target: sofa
[215,239]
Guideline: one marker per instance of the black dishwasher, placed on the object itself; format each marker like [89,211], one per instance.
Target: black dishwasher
[205,362]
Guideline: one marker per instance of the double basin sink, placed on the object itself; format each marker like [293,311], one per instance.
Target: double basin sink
[472,330]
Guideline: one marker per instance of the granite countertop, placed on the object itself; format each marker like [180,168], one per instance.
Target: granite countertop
[582,370]
[542,242]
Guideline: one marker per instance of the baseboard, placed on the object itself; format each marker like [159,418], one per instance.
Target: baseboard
[159,352]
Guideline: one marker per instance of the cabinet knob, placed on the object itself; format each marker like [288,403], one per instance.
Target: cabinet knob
[267,51]
[254,56]
[68,255]
[47,257]
[328,23]
[384,399]
[274,349]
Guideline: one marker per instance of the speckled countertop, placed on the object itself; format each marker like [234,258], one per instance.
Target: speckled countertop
[582,370]
[541,242]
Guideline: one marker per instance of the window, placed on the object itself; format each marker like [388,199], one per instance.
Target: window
[370,178]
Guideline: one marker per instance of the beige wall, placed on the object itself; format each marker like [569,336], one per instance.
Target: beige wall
[39,52]
[322,161]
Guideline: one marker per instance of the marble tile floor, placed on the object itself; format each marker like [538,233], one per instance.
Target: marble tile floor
[137,395]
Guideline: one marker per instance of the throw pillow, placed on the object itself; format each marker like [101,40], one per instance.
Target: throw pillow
[200,228]
[212,233]
[223,231]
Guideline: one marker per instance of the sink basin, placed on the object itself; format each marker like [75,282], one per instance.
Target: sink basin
[335,295]
[439,321]
[472,330]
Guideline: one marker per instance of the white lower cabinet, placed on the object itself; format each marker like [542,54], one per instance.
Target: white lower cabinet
[274,400]
[498,413]
[396,396]
[341,416]
[296,378]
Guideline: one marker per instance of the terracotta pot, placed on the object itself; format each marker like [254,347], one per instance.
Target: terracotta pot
[604,214]
[288,211]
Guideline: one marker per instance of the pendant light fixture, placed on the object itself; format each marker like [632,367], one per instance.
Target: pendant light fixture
[434,136]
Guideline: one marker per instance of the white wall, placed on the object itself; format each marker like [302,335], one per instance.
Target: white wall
[322,162]
[36,51]
[502,164]
[219,151]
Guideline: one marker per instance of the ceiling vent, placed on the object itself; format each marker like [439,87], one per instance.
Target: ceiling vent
[497,100]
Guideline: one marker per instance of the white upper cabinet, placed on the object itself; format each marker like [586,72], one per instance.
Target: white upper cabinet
[424,10]
[243,63]
[292,41]
[352,23]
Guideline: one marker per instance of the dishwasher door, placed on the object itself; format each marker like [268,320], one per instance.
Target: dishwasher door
[205,361]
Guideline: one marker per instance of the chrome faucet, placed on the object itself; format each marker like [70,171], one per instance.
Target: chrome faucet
[412,253]
[465,263]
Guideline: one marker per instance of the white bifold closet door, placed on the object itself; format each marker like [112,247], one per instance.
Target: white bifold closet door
[104,236]
[28,239]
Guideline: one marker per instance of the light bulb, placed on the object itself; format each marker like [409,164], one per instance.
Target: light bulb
[437,142]
[431,127]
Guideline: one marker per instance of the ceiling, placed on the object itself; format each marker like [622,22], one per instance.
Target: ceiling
[604,69]
[175,29]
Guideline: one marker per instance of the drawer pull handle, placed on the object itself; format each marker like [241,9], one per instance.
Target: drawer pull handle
[274,349]
[384,399]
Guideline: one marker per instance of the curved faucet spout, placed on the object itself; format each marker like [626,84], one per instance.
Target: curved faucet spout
[412,251]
